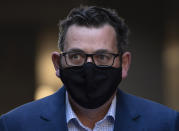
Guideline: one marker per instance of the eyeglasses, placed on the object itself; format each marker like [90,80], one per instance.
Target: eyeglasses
[79,58]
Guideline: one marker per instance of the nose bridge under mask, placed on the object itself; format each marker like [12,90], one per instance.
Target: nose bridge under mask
[89,68]
[89,71]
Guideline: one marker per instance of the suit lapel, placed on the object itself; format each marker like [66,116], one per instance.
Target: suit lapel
[54,114]
[127,116]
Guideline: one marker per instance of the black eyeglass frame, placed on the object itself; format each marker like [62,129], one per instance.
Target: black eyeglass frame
[91,55]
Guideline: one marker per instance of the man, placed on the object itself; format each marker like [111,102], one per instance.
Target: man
[92,64]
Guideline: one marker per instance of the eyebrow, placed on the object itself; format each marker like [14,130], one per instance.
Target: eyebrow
[96,52]
[75,50]
[102,51]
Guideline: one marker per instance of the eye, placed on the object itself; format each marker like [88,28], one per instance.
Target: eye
[75,56]
[103,57]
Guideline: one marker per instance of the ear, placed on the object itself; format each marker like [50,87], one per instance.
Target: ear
[56,62]
[126,61]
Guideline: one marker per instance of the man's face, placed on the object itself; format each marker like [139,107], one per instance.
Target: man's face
[92,40]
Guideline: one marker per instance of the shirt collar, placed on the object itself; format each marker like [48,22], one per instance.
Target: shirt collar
[70,114]
[112,109]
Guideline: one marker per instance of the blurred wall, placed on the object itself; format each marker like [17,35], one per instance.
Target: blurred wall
[171,55]
[29,28]
[46,80]
[16,65]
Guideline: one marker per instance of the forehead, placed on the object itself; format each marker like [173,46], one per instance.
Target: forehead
[91,39]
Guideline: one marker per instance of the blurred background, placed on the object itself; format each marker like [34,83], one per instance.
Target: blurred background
[29,33]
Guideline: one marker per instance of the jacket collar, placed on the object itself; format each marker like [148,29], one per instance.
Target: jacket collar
[127,114]
[54,112]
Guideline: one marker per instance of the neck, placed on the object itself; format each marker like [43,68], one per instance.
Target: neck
[89,117]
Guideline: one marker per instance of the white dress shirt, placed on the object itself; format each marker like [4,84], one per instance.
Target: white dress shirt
[106,124]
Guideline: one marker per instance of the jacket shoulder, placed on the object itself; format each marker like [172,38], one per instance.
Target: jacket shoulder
[31,107]
[32,112]
[152,115]
[145,105]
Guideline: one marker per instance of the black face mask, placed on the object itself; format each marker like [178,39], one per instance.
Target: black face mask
[91,86]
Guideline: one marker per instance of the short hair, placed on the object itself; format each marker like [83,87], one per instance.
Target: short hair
[93,16]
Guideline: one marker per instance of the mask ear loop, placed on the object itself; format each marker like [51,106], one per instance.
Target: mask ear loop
[60,64]
[120,57]
[63,54]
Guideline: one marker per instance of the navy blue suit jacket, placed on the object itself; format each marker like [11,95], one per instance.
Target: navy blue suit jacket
[132,114]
